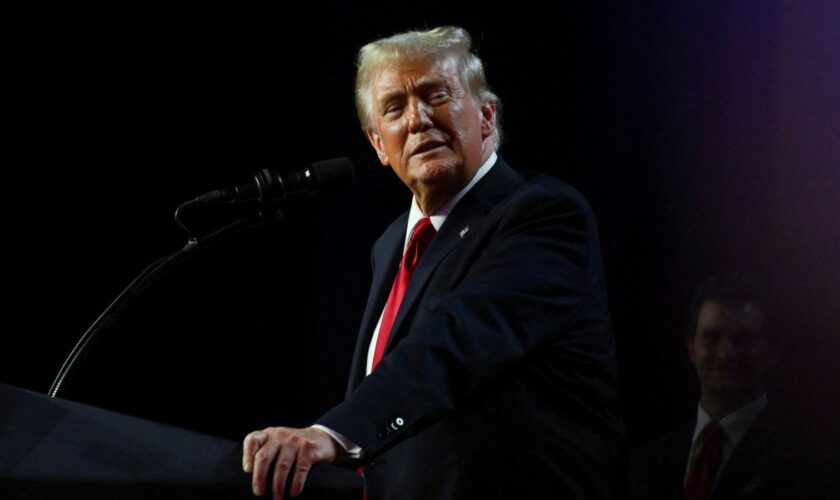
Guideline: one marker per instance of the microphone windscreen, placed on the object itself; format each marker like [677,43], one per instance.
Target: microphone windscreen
[333,174]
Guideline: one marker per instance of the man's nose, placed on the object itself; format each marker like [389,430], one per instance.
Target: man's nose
[728,349]
[419,116]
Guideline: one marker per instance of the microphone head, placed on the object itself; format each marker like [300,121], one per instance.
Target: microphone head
[332,175]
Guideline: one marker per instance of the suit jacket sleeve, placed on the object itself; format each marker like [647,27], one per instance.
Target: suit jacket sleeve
[526,280]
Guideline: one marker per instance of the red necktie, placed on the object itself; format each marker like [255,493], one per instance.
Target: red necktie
[704,468]
[423,233]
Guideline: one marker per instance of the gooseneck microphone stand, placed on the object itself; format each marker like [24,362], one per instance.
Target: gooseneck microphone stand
[267,189]
[151,274]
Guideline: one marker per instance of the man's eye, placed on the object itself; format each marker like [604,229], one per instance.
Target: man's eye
[394,108]
[437,97]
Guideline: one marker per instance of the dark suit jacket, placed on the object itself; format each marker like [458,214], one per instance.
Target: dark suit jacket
[772,461]
[499,378]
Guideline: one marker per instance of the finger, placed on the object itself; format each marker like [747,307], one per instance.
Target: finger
[305,458]
[250,446]
[261,464]
[285,460]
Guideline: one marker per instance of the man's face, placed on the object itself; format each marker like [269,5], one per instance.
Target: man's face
[729,350]
[428,126]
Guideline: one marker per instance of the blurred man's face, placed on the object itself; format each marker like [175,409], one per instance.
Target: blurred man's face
[428,126]
[729,350]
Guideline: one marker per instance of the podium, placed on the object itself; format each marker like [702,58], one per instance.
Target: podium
[53,448]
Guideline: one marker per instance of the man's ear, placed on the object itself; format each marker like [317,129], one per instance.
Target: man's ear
[488,119]
[376,142]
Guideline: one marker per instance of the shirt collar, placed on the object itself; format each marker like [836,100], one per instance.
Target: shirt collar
[439,216]
[736,424]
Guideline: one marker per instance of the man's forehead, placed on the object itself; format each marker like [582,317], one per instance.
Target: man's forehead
[416,71]
[717,313]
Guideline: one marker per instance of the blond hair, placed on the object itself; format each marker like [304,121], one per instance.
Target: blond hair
[376,55]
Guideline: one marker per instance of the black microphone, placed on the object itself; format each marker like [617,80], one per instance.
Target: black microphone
[267,186]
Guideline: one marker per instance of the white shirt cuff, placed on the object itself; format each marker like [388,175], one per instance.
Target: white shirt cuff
[353,450]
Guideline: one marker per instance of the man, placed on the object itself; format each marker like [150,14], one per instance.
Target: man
[484,366]
[735,447]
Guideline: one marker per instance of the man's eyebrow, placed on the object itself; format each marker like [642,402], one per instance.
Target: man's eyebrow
[390,95]
[431,81]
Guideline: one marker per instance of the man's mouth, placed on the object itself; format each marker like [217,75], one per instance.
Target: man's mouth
[427,146]
[729,369]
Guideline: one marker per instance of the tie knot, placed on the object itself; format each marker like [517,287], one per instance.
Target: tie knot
[423,228]
[422,234]
[713,432]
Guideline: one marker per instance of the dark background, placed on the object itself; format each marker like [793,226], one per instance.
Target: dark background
[705,134]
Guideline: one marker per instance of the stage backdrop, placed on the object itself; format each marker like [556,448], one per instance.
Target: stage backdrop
[704,134]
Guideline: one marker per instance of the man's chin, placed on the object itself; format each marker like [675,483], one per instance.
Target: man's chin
[733,388]
[437,171]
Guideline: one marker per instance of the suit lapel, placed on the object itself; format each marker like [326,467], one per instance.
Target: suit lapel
[470,211]
[387,261]
[744,467]
[386,258]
